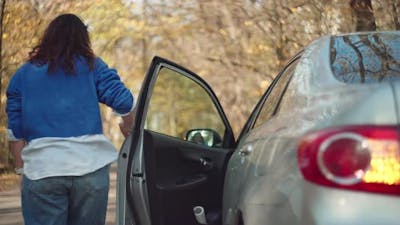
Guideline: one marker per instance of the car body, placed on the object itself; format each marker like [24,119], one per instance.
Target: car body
[320,147]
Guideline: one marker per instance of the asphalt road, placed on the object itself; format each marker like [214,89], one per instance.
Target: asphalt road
[10,204]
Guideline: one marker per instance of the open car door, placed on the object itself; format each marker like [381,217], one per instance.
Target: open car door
[177,154]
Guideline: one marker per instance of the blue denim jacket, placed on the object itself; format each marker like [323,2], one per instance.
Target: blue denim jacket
[63,105]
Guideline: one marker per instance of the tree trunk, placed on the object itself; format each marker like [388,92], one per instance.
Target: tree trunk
[144,39]
[363,15]
[3,140]
[3,6]
[395,11]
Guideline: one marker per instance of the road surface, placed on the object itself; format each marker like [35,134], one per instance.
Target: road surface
[10,204]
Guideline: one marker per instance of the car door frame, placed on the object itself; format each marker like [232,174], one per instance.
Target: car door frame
[131,157]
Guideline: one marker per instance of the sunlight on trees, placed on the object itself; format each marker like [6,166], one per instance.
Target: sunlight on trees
[237,46]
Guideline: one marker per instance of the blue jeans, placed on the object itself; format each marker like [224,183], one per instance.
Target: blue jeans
[66,200]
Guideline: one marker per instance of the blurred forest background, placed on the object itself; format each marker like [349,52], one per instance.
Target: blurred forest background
[237,46]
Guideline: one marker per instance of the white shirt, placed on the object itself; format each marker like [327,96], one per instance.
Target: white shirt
[73,156]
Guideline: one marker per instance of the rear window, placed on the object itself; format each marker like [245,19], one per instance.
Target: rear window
[366,58]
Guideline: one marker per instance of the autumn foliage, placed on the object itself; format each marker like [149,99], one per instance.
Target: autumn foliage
[237,46]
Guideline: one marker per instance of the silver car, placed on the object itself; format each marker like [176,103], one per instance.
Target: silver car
[320,147]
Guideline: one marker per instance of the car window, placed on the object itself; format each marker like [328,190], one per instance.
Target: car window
[293,98]
[181,108]
[366,58]
[276,93]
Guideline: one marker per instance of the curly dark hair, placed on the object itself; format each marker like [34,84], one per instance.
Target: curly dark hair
[65,38]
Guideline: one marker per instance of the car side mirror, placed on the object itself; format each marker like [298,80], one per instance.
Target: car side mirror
[207,137]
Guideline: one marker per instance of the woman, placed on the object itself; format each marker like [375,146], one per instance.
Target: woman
[55,130]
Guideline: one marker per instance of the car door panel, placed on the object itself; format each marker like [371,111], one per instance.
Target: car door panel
[168,174]
[175,173]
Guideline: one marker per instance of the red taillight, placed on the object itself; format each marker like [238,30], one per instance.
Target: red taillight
[364,158]
[343,158]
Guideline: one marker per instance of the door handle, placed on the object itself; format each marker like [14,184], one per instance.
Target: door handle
[206,163]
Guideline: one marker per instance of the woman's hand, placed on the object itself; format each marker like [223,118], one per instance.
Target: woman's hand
[127,124]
